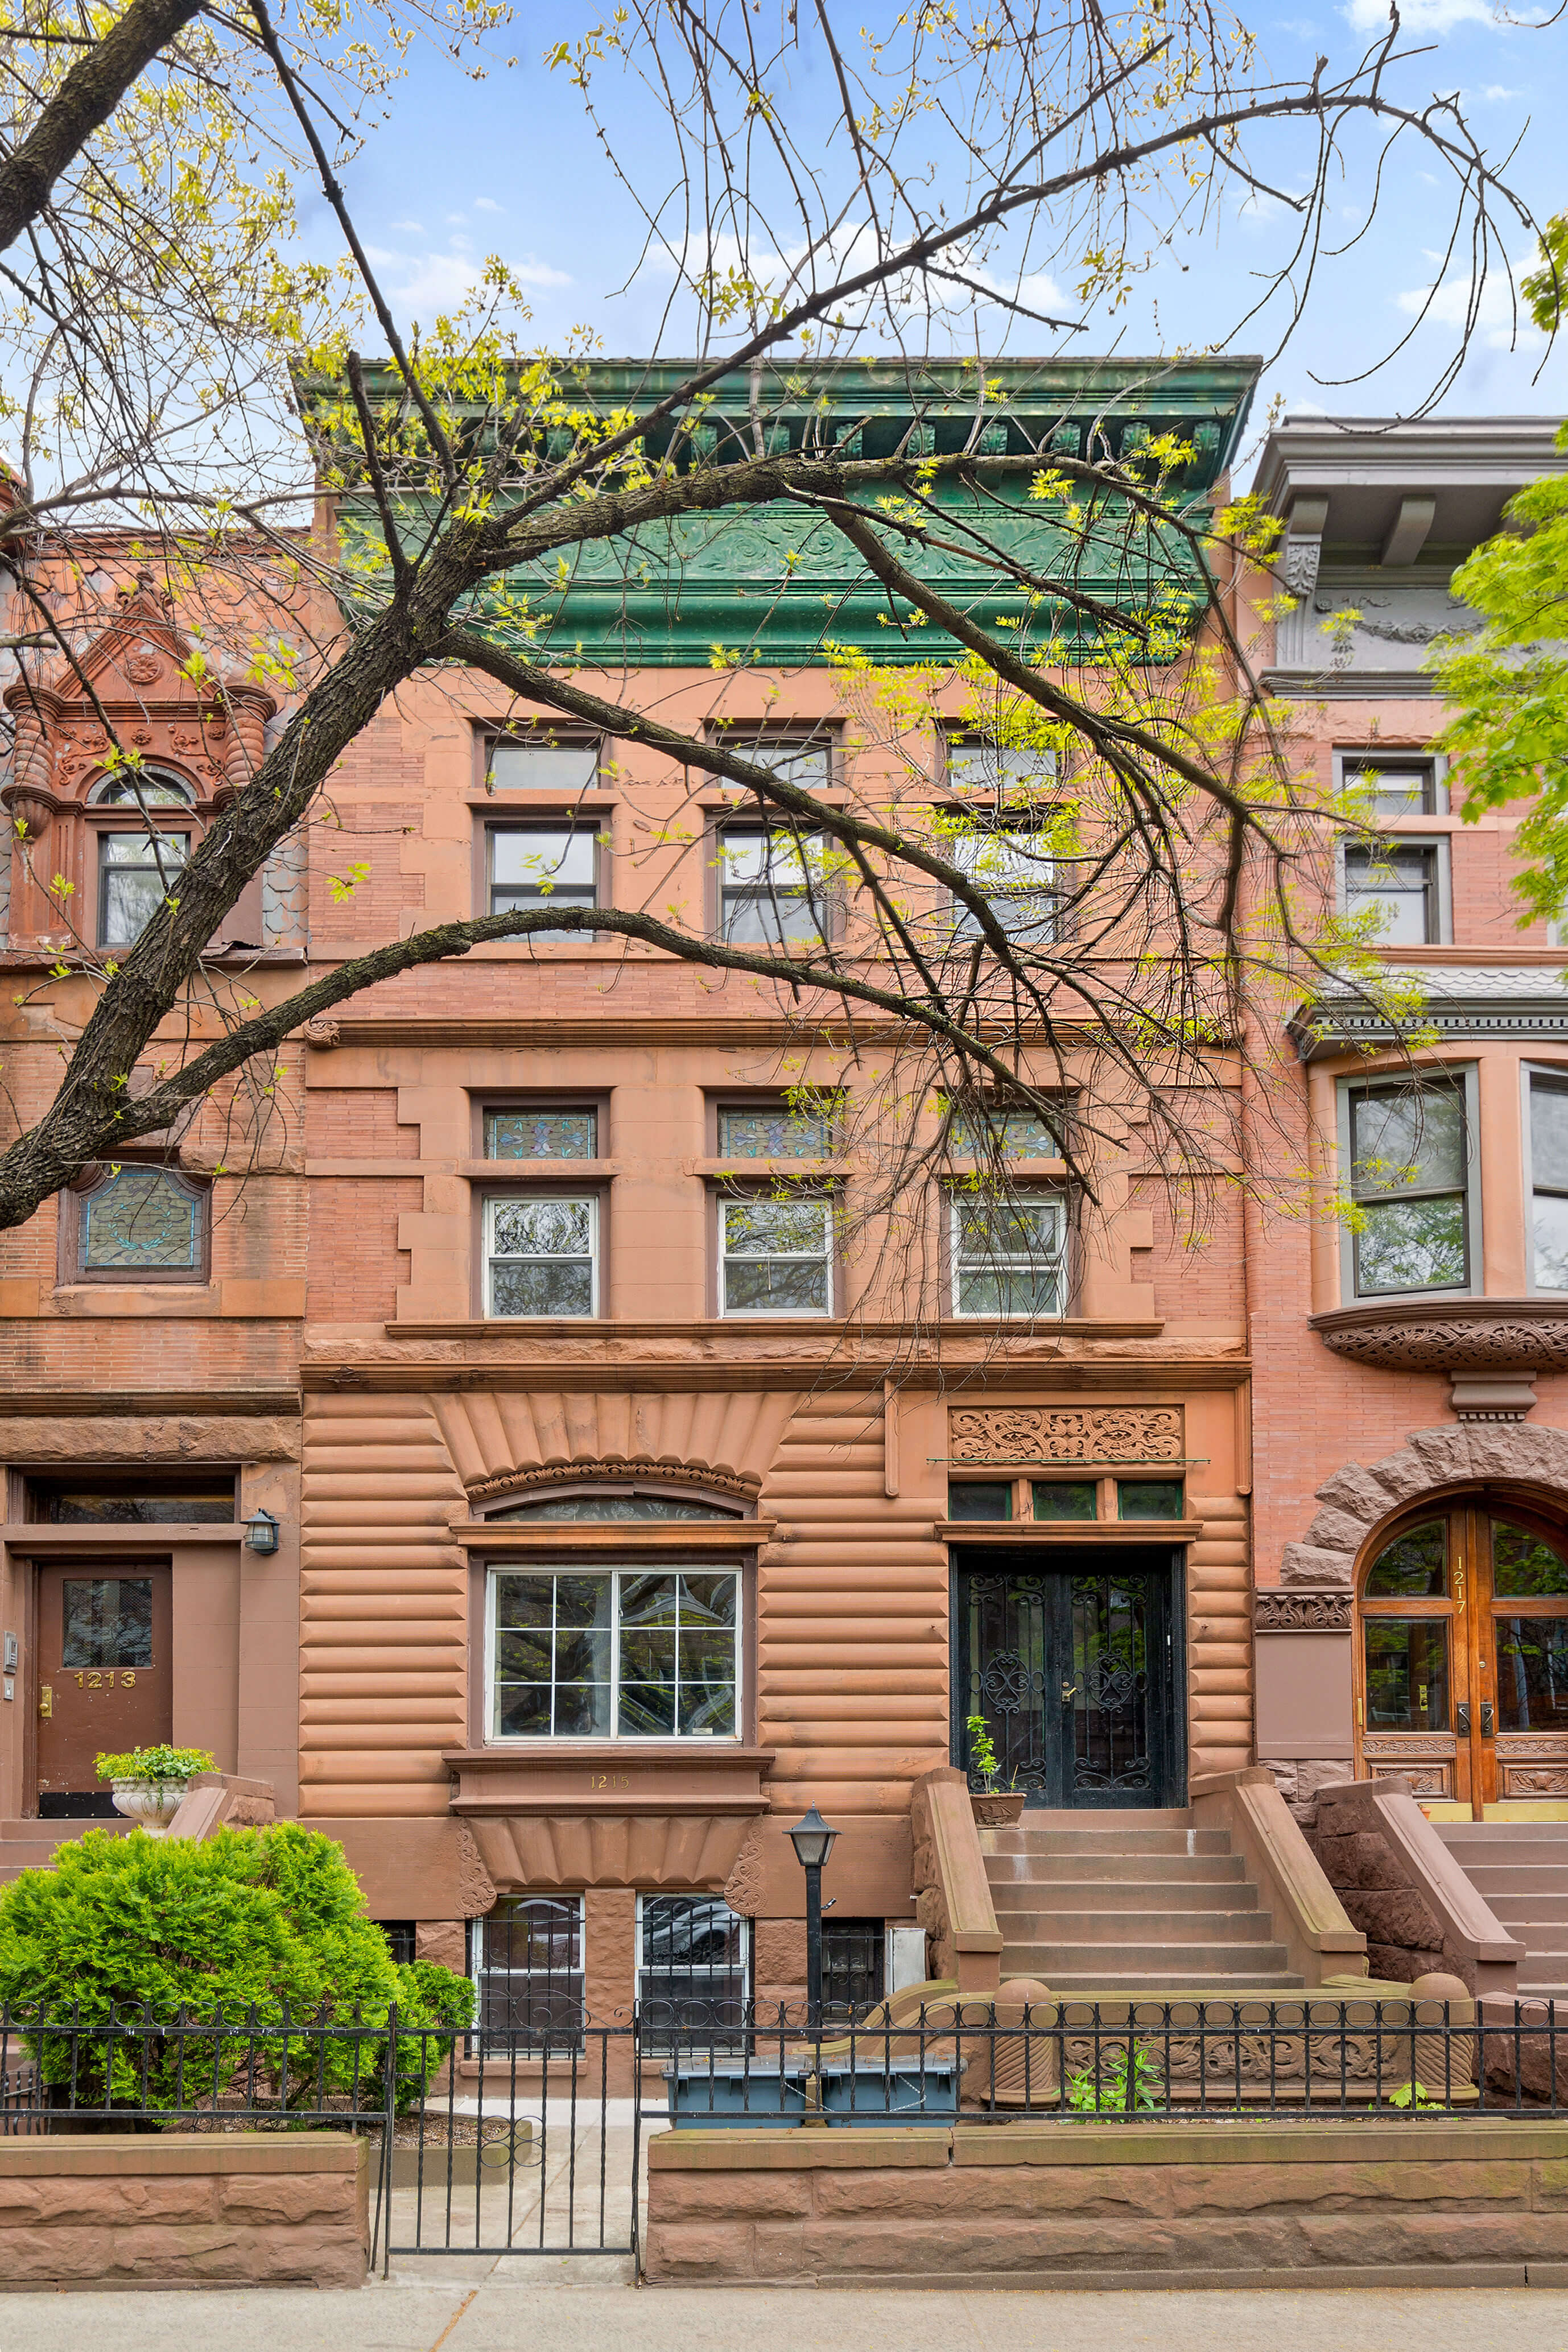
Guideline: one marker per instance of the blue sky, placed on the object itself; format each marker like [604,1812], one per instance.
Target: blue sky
[509,164]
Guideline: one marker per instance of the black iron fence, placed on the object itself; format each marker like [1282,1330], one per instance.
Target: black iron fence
[977,2061]
[528,2139]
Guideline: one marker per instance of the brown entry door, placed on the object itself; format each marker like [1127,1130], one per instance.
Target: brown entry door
[104,1682]
[1464,1655]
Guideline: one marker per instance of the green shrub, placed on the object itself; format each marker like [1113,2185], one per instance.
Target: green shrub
[159,1763]
[249,1927]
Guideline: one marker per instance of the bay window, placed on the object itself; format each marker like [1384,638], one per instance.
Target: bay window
[1409,1166]
[1549,1179]
[614,1653]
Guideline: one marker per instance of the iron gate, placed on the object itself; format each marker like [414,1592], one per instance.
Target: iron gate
[529,2143]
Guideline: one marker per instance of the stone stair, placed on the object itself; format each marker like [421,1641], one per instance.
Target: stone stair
[1520,1869]
[31,1845]
[1130,1902]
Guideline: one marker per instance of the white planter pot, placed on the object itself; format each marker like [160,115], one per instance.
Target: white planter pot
[154,1803]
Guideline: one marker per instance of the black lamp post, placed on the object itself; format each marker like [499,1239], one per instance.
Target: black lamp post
[812,1842]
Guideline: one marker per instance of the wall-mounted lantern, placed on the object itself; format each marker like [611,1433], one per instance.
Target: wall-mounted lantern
[261,1531]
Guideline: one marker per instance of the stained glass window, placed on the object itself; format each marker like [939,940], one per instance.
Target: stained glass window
[772,1131]
[1005,1134]
[141,1217]
[531,1134]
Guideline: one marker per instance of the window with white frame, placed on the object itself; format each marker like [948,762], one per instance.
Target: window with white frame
[528,1967]
[693,1967]
[1548,1178]
[974,765]
[1402,883]
[771,885]
[1391,788]
[534,867]
[1009,1253]
[775,1255]
[541,1253]
[541,763]
[1011,862]
[615,1653]
[1409,1168]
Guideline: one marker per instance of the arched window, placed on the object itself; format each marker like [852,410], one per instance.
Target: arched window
[607,1504]
[137,1224]
[149,788]
[1462,1663]
[138,864]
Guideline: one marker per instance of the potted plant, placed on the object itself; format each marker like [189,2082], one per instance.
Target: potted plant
[995,1807]
[150,1783]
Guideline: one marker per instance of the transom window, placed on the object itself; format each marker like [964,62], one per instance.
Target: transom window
[1065,1498]
[148,788]
[1409,1188]
[808,766]
[615,1653]
[140,1221]
[136,872]
[773,1131]
[1549,1179]
[1008,768]
[771,885]
[541,1131]
[1003,1134]
[1009,1257]
[541,1254]
[542,869]
[775,1255]
[625,1503]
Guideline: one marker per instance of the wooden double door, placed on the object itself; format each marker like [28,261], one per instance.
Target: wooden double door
[1462,1653]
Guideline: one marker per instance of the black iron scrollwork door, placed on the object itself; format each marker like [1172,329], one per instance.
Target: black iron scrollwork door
[1075,1669]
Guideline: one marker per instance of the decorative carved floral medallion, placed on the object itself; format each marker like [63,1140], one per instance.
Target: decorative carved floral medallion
[1049,1434]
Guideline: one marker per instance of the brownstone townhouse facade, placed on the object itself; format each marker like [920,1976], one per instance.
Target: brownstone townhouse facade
[516,1465]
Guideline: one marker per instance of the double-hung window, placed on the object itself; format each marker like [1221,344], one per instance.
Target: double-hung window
[539,866]
[1409,1155]
[1401,882]
[771,885]
[136,872]
[1548,1178]
[1393,788]
[542,763]
[614,1653]
[1009,1253]
[776,1254]
[541,1253]
[1011,862]
[528,1963]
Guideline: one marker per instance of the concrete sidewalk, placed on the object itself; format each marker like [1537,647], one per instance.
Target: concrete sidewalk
[558,2307]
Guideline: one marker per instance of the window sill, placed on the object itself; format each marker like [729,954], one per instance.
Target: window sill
[751,1326]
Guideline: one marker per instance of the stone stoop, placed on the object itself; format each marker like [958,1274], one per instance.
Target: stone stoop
[1520,1871]
[32,1845]
[1139,1901]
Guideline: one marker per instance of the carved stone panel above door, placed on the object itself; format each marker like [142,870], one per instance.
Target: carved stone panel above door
[1107,1433]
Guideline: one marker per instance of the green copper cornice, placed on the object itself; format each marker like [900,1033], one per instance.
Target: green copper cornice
[777,586]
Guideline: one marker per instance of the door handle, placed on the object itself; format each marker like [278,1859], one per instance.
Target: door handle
[1488,1719]
[1069,1690]
[46,1701]
[1462,1719]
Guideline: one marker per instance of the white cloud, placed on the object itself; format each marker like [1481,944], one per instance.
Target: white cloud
[420,284]
[488,204]
[409,228]
[1437,16]
[1502,323]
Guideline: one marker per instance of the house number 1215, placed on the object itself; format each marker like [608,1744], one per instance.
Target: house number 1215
[609,1779]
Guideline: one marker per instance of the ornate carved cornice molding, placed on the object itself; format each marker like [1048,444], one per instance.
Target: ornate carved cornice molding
[1301,1612]
[1058,1435]
[1493,1335]
[667,1474]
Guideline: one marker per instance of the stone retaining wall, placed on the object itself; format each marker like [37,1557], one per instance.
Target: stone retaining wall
[1422,2201]
[184,2208]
